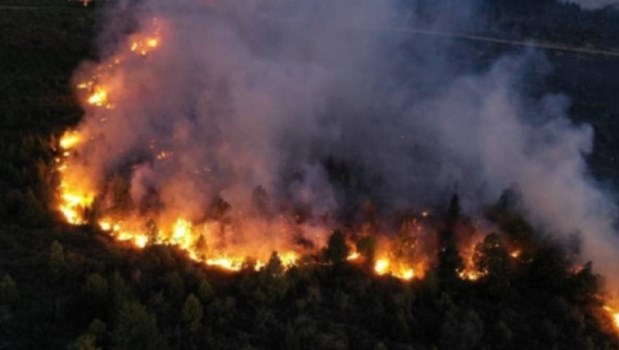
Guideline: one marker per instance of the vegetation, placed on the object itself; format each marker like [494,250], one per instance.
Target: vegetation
[72,287]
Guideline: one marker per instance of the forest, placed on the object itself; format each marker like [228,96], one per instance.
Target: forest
[74,287]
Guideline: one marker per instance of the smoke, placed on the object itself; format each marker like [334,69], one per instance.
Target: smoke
[321,105]
[592,4]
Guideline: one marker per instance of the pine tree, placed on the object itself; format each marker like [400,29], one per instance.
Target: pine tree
[337,250]
[192,313]
[136,328]
[56,261]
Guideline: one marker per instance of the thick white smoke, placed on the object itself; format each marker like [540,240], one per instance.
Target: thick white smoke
[322,105]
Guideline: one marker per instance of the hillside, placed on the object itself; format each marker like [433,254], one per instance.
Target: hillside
[76,287]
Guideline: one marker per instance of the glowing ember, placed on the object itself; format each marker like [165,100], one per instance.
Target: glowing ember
[353,256]
[471,275]
[143,47]
[99,97]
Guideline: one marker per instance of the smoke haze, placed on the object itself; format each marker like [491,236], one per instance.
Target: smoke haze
[592,4]
[323,105]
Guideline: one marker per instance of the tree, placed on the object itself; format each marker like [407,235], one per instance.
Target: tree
[95,295]
[404,244]
[491,256]
[88,340]
[84,342]
[272,283]
[450,264]
[175,286]
[192,313]
[585,285]
[56,261]
[453,212]
[492,259]
[120,291]
[337,250]
[274,268]
[136,328]
[120,191]
[205,290]
[462,330]
[291,340]
[219,211]
[151,230]
[96,288]
[366,246]
[8,290]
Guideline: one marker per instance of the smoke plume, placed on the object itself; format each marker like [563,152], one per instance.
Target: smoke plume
[321,105]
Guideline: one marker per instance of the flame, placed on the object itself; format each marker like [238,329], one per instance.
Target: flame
[99,97]
[289,259]
[144,46]
[72,204]
[614,315]
[385,266]
[381,266]
[353,256]
[230,264]
[471,275]
[69,140]
[469,271]
[105,225]
[182,233]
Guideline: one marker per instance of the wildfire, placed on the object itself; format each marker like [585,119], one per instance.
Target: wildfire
[75,198]
[144,46]
[614,315]
[99,97]
[353,256]
[203,240]
[181,233]
[471,274]
[384,266]
[69,140]
[72,200]
[381,266]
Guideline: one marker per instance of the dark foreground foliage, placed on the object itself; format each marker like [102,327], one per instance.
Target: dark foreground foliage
[77,288]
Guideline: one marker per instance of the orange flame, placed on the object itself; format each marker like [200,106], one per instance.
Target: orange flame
[614,315]
[384,266]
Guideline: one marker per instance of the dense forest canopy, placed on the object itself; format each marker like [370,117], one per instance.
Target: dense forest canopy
[511,286]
